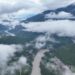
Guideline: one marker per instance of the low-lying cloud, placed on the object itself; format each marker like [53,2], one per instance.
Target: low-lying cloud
[59,15]
[60,27]
[7,50]
[56,65]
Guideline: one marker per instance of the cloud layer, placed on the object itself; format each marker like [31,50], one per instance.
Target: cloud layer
[52,4]
[6,51]
[60,27]
[61,14]
[31,6]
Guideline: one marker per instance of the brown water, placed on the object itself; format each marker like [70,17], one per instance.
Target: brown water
[36,63]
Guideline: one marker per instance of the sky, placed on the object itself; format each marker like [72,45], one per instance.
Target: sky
[18,8]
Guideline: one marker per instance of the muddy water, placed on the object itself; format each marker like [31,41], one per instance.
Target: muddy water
[36,63]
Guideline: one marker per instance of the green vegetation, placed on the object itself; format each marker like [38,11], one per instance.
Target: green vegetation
[14,40]
[45,71]
[66,54]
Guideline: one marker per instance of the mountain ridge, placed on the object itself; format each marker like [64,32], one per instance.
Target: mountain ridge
[41,17]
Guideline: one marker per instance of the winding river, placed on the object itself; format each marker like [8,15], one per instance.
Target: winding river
[36,63]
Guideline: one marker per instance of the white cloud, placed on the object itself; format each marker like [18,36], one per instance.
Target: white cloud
[18,65]
[64,14]
[39,45]
[7,50]
[25,13]
[22,60]
[53,4]
[10,24]
[13,5]
[41,40]
[59,15]
[17,6]
[61,27]
[56,67]
[9,6]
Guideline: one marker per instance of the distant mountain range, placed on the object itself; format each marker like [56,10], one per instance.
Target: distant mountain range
[20,30]
[41,17]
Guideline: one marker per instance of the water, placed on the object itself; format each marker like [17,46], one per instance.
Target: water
[36,63]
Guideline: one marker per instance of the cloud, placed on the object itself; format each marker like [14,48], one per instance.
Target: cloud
[15,6]
[19,8]
[61,14]
[60,27]
[25,13]
[40,42]
[6,51]
[22,60]
[11,24]
[53,4]
[56,65]
[9,6]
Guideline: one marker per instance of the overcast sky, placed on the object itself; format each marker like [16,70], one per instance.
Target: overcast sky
[30,7]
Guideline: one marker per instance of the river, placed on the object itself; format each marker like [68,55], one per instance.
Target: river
[36,63]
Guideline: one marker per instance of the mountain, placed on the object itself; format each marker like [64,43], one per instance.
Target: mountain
[47,30]
[41,17]
[70,9]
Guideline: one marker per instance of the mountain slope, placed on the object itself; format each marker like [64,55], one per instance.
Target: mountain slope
[41,17]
